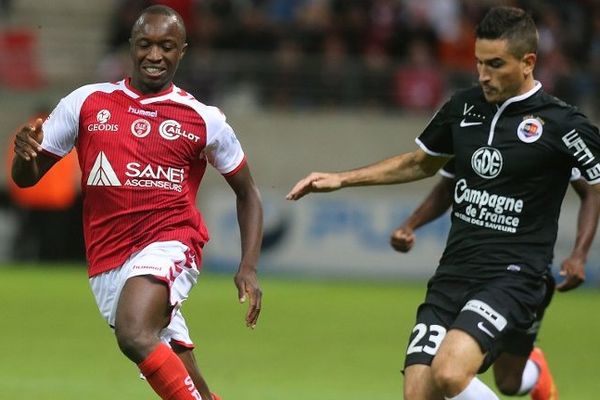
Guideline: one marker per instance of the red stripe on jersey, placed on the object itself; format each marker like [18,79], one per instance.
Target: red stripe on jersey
[183,344]
[238,168]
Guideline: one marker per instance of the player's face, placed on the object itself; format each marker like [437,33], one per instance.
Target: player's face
[501,74]
[157,46]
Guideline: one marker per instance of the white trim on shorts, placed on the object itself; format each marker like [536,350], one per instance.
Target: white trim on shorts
[171,262]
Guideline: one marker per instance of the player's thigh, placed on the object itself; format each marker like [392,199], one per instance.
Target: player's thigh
[169,262]
[143,305]
[443,301]
[158,280]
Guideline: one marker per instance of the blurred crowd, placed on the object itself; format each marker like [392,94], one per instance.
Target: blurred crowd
[395,54]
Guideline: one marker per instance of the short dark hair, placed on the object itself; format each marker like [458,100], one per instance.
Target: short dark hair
[159,9]
[513,25]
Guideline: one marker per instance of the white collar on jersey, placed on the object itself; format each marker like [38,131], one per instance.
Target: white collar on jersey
[537,85]
[149,98]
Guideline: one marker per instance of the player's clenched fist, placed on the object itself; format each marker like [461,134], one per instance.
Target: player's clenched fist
[28,140]
[402,239]
[315,182]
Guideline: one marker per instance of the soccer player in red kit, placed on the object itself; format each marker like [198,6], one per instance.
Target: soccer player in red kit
[143,145]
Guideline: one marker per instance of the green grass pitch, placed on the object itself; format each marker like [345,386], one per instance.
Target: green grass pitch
[317,340]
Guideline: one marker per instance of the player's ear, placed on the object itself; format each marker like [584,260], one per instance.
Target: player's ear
[528,61]
[183,50]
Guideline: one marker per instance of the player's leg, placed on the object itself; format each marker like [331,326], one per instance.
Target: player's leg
[455,367]
[521,369]
[143,310]
[494,308]
[419,384]
[508,373]
[186,355]
[443,302]
[544,387]
[518,375]
[146,293]
[423,343]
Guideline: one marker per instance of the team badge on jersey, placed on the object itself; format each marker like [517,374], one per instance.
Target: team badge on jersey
[530,130]
[487,162]
[103,116]
[140,128]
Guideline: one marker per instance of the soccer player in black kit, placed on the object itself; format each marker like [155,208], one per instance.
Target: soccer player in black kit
[514,147]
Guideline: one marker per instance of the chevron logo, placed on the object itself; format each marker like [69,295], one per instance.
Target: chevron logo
[102,173]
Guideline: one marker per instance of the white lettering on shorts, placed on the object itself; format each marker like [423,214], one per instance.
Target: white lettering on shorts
[147,267]
[487,312]
[429,346]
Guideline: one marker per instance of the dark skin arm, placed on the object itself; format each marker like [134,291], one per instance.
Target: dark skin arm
[30,164]
[433,206]
[249,212]
[573,268]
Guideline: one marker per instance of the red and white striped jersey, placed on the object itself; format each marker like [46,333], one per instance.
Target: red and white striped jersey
[142,158]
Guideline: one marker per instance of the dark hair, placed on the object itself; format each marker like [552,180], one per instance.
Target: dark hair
[513,25]
[159,9]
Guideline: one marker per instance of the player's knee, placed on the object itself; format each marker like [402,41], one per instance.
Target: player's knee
[449,379]
[508,384]
[135,343]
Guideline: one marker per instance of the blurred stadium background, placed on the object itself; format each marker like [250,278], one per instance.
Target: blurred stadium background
[308,85]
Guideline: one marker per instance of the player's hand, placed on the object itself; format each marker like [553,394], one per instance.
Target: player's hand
[573,269]
[28,140]
[402,239]
[315,182]
[246,282]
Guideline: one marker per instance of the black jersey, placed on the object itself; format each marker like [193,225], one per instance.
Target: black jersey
[513,162]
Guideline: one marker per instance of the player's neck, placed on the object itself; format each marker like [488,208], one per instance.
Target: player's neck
[527,85]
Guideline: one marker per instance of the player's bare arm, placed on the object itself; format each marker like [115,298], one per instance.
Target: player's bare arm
[249,211]
[573,268]
[30,164]
[403,168]
[433,206]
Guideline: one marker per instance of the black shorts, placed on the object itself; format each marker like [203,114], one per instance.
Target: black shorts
[502,314]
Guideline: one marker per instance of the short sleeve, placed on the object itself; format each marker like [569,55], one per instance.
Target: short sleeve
[582,142]
[224,151]
[436,139]
[61,127]
[575,175]
[448,170]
